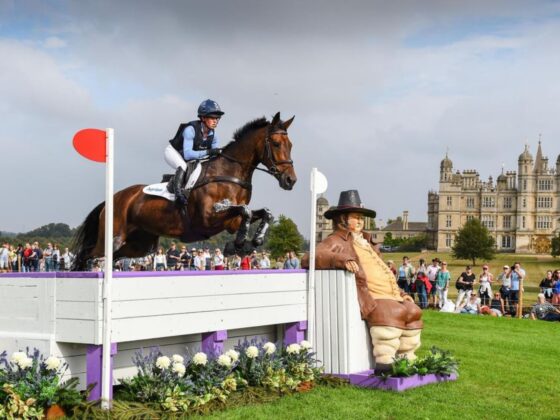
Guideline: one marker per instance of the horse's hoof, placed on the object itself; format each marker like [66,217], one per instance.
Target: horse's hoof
[257,242]
[229,249]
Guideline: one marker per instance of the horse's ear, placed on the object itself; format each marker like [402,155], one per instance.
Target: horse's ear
[286,124]
[275,120]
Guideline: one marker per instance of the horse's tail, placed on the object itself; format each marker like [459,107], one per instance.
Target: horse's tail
[85,239]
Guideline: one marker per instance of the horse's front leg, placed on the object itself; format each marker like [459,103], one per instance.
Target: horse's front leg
[237,210]
[266,218]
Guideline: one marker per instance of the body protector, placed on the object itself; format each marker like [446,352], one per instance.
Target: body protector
[199,143]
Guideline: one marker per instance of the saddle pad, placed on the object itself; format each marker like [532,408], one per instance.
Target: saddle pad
[160,190]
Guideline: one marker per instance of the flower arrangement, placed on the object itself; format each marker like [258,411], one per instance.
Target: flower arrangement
[30,383]
[437,361]
[185,383]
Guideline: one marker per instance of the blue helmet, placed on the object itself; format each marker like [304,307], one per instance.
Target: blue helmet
[209,108]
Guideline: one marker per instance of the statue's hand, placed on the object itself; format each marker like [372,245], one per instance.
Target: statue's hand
[352,266]
[408,298]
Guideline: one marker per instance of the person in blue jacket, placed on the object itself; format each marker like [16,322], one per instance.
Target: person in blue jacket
[194,140]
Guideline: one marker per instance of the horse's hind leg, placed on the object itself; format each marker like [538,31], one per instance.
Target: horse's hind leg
[266,218]
[139,244]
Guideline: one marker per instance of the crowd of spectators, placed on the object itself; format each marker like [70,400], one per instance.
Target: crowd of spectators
[32,258]
[428,284]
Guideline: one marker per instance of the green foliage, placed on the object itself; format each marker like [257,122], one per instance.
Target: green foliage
[474,241]
[414,243]
[438,361]
[283,236]
[555,246]
[15,407]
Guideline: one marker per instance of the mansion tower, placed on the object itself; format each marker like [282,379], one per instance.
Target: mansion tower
[521,209]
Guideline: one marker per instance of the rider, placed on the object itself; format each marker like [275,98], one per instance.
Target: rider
[194,141]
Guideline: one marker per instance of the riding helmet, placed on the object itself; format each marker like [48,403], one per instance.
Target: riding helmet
[209,108]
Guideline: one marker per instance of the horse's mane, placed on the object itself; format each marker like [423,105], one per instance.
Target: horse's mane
[250,126]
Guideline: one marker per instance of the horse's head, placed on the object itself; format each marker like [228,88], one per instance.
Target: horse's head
[277,152]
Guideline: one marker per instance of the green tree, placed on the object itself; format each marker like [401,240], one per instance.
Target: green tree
[474,241]
[388,239]
[555,246]
[283,236]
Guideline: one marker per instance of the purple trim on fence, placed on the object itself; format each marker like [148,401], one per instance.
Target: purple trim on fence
[94,364]
[295,332]
[213,342]
[366,380]
[127,274]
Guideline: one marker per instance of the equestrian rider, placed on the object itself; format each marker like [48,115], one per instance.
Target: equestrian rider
[194,141]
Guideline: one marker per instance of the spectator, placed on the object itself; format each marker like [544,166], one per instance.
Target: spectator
[235,262]
[264,262]
[517,277]
[406,275]
[184,258]
[442,284]
[67,258]
[432,271]
[544,311]
[160,260]
[464,286]
[207,259]
[246,262]
[471,306]
[496,307]
[423,288]
[292,262]
[199,261]
[56,257]
[47,255]
[17,265]
[391,265]
[255,260]
[556,288]
[4,257]
[35,257]
[505,280]
[218,260]
[194,252]
[546,286]
[485,289]
[173,257]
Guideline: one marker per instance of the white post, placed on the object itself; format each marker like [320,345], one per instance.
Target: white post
[318,186]
[106,377]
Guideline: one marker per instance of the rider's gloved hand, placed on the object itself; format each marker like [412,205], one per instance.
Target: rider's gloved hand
[214,152]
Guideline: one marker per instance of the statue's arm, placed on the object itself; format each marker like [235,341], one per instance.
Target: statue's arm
[328,256]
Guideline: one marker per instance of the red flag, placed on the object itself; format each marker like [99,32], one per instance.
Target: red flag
[91,144]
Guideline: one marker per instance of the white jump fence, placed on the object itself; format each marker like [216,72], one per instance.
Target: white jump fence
[61,314]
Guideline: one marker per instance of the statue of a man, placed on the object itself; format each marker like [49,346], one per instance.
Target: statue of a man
[393,318]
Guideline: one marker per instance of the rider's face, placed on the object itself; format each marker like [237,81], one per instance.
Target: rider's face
[211,122]
[355,222]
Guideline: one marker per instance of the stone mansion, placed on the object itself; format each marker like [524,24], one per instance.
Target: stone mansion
[521,209]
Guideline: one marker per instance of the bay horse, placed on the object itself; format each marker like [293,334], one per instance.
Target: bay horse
[218,201]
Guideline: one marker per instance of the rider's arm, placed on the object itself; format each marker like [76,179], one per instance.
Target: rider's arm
[188,143]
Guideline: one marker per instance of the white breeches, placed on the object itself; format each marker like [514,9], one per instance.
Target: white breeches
[174,158]
[410,341]
[390,341]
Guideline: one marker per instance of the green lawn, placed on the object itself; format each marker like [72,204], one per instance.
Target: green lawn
[509,370]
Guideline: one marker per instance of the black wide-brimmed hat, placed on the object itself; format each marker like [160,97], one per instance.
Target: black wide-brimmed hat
[349,202]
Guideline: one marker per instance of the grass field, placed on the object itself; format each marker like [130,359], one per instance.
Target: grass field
[509,370]
[534,265]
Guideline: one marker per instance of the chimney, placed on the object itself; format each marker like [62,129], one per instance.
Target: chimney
[405,220]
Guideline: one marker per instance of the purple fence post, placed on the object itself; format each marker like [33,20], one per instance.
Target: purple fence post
[295,332]
[213,342]
[94,364]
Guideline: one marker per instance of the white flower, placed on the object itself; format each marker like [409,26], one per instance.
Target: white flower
[26,363]
[52,363]
[17,357]
[179,369]
[252,352]
[269,348]
[200,359]
[293,348]
[177,358]
[233,355]
[224,360]
[163,362]
[305,344]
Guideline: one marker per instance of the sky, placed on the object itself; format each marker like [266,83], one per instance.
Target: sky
[381,91]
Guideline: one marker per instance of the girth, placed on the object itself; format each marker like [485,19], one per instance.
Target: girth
[224,178]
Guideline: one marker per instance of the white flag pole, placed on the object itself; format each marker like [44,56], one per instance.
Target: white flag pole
[106,377]
[318,186]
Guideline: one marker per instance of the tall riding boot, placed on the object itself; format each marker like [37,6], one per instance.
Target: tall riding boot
[178,183]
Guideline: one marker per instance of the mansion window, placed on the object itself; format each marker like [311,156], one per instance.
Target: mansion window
[470,202]
[523,222]
[545,185]
[507,202]
[448,221]
[544,222]
[448,240]
[524,185]
[488,202]
[469,217]
[524,202]
[506,241]
[544,202]
[506,224]
[449,201]
[488,221]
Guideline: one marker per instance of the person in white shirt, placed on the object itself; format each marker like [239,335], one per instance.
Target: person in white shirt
[431,272]
[218,260]
[264,262]
[160,261]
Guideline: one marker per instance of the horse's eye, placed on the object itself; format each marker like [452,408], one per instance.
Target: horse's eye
[276,144]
